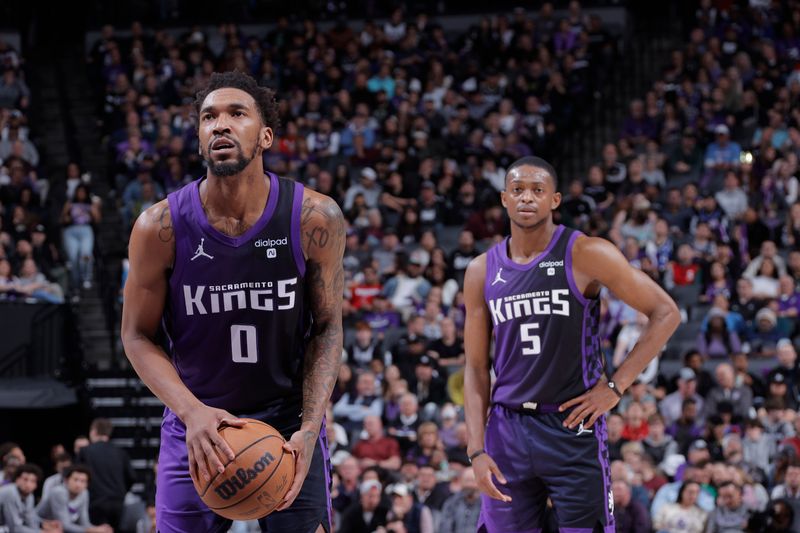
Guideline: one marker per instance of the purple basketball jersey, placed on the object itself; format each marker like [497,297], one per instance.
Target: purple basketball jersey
[237,318]
[546,345]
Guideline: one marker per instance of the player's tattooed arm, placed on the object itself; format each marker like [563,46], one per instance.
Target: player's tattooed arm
[323,230]
[162,218]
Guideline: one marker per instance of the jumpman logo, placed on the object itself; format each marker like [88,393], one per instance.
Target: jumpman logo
[582,430]
[201,252]
[498,278]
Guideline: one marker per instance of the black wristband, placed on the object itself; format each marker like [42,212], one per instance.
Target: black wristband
[613,387]
[476,454]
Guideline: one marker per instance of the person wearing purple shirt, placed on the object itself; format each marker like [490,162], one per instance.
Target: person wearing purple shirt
[244,271]
[638,127]
[788,297]
[533,291]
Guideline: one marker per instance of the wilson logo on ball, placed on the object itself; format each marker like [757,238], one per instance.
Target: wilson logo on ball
[231,486]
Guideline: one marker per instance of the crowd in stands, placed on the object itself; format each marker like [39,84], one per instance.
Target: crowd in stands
[46,236]
[410,128]
[84,491]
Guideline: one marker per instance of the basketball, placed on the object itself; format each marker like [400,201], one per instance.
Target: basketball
[255,482]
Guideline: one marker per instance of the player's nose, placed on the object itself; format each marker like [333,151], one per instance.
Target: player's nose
[221,125]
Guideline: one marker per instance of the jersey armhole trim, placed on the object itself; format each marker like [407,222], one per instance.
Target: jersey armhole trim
[177,228]
[573,287]
[297,243]
[486,264]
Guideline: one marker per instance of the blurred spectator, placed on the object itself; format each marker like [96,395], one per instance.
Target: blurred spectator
[461,511]
[77,218]
[376,448]
[684,515]
[629,515]
[17,503]
[111,474]
[69,503]
[63,460]
[414,515]
[731,513]
[367,514]
[673,405]
[740,397]
[658,445]
[353,407]
[14,92]
[430,491]
[32,283]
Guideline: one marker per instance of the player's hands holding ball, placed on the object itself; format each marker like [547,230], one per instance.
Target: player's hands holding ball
[207,449]
[484,467]
[301,445]
[592,404]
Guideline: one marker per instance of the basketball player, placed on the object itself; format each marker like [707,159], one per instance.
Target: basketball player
[537,291]
[245,270]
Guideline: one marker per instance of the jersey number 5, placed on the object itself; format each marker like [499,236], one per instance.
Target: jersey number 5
[247,351]
[525,333]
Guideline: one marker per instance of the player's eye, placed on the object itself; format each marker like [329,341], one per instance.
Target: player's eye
[206,116]
[237,114]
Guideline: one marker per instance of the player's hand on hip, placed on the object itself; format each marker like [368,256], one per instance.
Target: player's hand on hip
[485,467]
[301,445]
[206,447]
[592,404]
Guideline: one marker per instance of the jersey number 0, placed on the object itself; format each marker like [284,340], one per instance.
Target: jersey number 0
[244,351]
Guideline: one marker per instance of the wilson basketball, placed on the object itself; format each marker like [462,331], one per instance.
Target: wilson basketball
[255,482]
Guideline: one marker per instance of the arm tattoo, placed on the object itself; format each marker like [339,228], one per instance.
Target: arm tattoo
[325,283]
[165,231]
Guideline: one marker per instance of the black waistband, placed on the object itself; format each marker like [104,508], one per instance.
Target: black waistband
[531,408]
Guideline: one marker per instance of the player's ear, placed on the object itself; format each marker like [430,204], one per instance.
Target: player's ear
[503,199]
[265,140]
[556,200]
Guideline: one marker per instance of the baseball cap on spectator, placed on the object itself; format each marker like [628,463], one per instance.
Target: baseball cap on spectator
[428,184]
[767,314]
[448,412]
[368,485]
[722,129]
[415,86]
[686,374]
[419,134]
[369,173]
[782,343]
[699,444]
[339,457]
[418,257]
[778,377]
[425,361]
[38,228]
[398,489]
[716,312]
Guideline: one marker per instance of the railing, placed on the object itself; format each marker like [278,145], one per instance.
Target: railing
[37,340]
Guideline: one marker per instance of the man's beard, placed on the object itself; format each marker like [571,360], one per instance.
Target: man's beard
[230,167]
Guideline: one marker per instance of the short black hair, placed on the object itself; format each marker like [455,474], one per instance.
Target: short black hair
[28,468]
[79,468]
[235,79]
[102,426]
[536,162]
